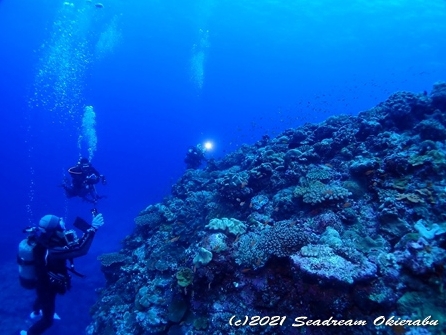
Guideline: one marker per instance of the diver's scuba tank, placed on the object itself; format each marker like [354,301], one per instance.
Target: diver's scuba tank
[25,260]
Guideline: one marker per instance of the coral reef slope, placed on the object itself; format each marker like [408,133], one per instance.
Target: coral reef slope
[341,221]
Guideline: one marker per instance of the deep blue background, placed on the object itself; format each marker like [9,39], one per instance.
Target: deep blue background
[269,65]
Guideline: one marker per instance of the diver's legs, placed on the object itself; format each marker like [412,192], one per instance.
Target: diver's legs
[69,191]
[46,298]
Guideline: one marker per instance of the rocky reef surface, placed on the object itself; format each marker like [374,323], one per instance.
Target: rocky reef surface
[341,220]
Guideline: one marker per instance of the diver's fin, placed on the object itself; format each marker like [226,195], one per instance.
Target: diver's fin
[35,315]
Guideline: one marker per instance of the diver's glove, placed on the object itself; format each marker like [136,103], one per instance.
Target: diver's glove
[98,221]
[92,178]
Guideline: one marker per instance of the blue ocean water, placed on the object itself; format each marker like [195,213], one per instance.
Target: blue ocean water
[164,75]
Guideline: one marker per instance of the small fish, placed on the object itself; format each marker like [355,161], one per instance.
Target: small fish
[99,5]
[174,239]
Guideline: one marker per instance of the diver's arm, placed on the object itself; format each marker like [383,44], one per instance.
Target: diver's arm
[92,176]
[96,172]
[79,249]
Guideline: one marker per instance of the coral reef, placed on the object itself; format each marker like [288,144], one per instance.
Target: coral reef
[344,220]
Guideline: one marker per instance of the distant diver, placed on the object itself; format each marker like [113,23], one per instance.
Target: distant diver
[195,157]
[84,177]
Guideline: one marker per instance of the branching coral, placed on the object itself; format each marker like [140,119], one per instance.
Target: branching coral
[412,197]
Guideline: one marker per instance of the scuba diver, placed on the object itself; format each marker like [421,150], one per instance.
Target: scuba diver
[84,177]
[42,260]
[194,157]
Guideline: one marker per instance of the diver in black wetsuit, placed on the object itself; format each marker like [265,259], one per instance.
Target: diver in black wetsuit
[84,177]
[194,157]
[54,245]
